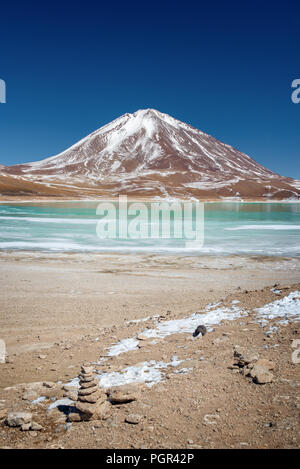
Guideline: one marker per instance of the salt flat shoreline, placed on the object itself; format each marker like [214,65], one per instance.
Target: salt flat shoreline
[62,309]
[48,295]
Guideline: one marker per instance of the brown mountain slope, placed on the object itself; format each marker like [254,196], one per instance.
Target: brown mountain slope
[149,153]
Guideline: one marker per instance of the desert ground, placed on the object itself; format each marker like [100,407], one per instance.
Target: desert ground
[59,311]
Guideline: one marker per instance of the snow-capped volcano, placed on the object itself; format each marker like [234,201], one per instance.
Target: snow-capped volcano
[151,153]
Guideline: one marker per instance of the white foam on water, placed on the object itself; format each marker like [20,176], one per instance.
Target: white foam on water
[263,227]
[72,221]
[43,245]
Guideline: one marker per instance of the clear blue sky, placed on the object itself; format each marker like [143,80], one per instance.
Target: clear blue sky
[224,67]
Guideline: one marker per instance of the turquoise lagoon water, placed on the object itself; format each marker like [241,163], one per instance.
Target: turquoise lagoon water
[229,228]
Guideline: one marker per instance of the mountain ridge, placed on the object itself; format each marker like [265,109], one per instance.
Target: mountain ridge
[149,153]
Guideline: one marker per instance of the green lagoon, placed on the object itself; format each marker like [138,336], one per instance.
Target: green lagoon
[229,228]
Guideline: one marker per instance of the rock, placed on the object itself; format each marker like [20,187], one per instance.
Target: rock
[134,419]
[56,415]
[53,392]
[90,395]
[86,378]
[48,384]
[3,413]
[90,411]
[74,417]
[16,419]
[85,408]
[35,386]
[245,371]
[71,395]
[244,356]
[104,410]
[200,330]
[68,388]
[42,357]
[26,427]
[36,427]
[265,363]
[123,394]
[92,398]
[235,366]
[88,391]
[261,374]
[89,384]
[87,369]
[30,396]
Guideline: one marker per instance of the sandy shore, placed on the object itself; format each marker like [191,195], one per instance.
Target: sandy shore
[51,297]
[60,310]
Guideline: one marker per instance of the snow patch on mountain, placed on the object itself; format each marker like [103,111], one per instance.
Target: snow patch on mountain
[151,153]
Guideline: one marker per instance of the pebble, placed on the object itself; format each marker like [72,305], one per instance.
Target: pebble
[133,418]
[16,419]
[25,427]
[36,427]
[123,394]
[29,396]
